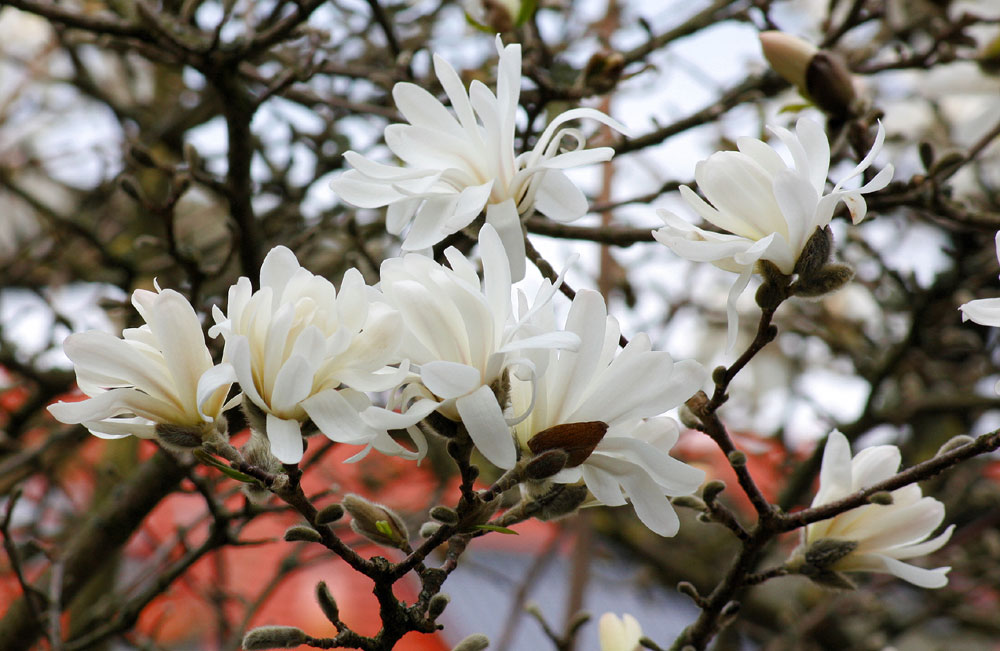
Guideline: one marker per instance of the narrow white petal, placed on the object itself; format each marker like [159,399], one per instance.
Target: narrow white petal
[559,199]
[918,576]
[835,471]
[286,439]
[984,311]
[338,418]
[485,423]
[292,385]
[213,387]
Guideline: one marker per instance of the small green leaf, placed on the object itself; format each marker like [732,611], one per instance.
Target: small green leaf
[384,528]
[795,108]
[208,459]
[498,529]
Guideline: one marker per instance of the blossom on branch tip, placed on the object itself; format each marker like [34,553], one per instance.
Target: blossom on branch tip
[619,634]
[630,456]
[302,350]
[158,376]
[766,209]
[874,537]
[458,163]
[464,339]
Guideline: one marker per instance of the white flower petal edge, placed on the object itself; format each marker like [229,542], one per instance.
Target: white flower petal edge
[886,534]
[160,373]
[462,338]
[458,163]
[619,634]
[625,392]
[296,342]
[984,311]
[769,208]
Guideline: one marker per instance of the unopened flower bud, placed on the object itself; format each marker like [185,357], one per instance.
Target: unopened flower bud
[826,551]
[818,74]
[954,443]
[578,440]
[688,417]
[428,529]
[562,500]
[444,514]
[376,522]
[788,55]
[274,637]
[737,458]
[179,438]
[816,252]
[687,588]
[437,605]
[729,613]
[603,71]
[329,514]
[689,501]
[882,497]
[302,533]
[828,279]
[131,187]
[475,642]
[327,603]
[546,464]
[712,490]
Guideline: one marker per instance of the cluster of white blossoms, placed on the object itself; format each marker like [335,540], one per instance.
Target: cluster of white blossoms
[473,348]
[874,537]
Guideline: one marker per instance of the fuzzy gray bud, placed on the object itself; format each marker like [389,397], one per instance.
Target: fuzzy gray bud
[444,514]
[690,502]
[882,497]
[437,605]
[688,417]
[274,637]
[737,458]
[815,253]
[428,529]
[828,279]
[327,603]
[330,513]
[712,490]
[179,437]
[302,533]
[954,443]
[546,464]
[475,642]
[826,551]
[562,500]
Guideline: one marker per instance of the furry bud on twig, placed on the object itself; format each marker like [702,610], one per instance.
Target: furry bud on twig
[437,605]
[712,490]
[444,514]
[274,637]
[302,533]
[329,514]
[327,603]
[475,642]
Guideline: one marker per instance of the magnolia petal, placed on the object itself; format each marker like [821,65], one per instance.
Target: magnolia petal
[558,198]
[984,311]
[891,527]
[835,470]
[504,219]
[337,418]
[872,465]
[292,385]
[213,386]
[422,109]
[103,353]
[651,505]
[923,548]
[602,485]
[450,379]
[120,428]
[918,576]
[732,316]
[485,423]
[286,439]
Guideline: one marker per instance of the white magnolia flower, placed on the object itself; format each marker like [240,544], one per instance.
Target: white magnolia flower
[592,385]
[454,168]
[767,208]
[157,374]
[886,534]
[295,342]
[984,311]
[619,634]
[464,338]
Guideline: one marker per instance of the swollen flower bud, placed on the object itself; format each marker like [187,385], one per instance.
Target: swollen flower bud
[437,605]
[818,74]
[327,603]
[329,514]
[475,642]
[302,533]
[274,637]
[376,522]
